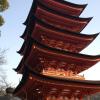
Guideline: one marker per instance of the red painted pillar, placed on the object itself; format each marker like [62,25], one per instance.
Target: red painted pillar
[30,96]
[81,98]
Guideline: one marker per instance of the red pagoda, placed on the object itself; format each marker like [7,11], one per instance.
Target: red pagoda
[51,60]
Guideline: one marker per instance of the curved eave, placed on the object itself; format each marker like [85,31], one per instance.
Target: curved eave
[31,12]
[25,51]
[71,4]
[64,81]
[81,62]
[21,84]
[44,51]
[49,31]
[20,68]
[39,46]
[43,30]
[22,50]
[43,7]
[67,23]
[48,26]
[29,28]
[24,33]
[67,8]
[87,86]
[26,47]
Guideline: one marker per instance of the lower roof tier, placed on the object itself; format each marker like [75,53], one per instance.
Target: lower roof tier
[46,86]
[58,6]
[41,56]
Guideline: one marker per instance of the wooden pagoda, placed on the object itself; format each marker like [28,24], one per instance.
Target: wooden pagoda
[51,60]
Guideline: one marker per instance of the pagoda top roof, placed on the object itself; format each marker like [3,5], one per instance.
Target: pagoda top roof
[68,22]
[44,7]
[64,7]
[73,61]
[52,83]
[70,3]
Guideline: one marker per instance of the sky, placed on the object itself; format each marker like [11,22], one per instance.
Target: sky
[13,29]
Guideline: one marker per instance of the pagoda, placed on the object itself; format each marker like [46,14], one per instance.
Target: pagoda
[52,60]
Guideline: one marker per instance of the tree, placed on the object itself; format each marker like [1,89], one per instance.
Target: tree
[3,6]
[2,58]
[3,78]
[1,21]
[3,82]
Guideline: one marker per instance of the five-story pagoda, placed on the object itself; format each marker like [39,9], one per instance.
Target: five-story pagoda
[51,60]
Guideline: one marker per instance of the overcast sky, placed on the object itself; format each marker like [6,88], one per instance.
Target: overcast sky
[13,29]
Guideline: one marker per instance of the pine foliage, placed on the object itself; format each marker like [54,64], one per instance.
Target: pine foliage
[1,20]
[3,5]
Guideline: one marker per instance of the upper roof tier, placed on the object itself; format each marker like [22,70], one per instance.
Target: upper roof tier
[29,30]
[42,56]
[62,7]
[57,38]
[68,22]
[49,86]
[61,40]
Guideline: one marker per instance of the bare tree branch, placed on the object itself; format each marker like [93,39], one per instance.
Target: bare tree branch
[2,57]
